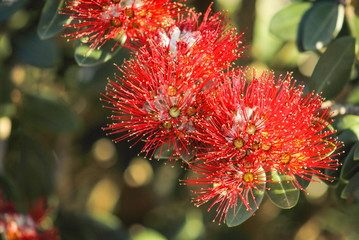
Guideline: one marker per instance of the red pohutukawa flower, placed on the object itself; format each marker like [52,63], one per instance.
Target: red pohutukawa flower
[160,95]
[213,38]
[158,100]
[16,226]
[97,21]
[266,124]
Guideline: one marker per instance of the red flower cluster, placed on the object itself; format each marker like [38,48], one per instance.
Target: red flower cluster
[98,21]
[16,226]
[160,95]
[178,95]
[256,127]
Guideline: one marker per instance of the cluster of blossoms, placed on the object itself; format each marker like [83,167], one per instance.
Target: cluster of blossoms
[180,94]
[17,226]
[99,21]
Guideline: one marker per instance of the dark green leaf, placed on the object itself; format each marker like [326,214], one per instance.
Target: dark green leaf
[352,188]
[40,53]
[349,138]
[333,68]
[350,167]
[31,165]
[284,23]
[319,25]
[86,56]
[48,115]
[76,226]
[51,21]
[239,214]
[356,154]
[281,191]
[163,152]
[7,8]
[304,182]
[10,190]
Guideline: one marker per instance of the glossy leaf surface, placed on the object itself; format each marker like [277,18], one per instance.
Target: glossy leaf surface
[350,166]
[333,69]
[284,23]
[238,214]
[51,21]
[85,56]
[281,191]
[319,25]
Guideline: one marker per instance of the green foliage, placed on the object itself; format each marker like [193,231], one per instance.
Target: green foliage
[40,53]
[282,192]
[48,114]
[7,8]
[240,212]
[285,23]
[31,166]
[85,56]
[49,128]
[320,25]
[350,166]
[333,69]
[51,20]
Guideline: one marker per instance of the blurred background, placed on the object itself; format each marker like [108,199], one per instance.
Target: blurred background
[52,144]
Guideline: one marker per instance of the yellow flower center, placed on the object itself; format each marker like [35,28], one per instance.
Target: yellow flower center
[285,158]
[248,177]
[167,124]
[265,146]
[116,23]
[238,143]
[129,13]
[174,111]
[171,91]
[251,129]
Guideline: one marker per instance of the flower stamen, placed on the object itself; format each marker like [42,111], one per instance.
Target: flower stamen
[285,158]
[167,125]
[248,177]
[174,111]
[251,129]
[171,91]
[238,143]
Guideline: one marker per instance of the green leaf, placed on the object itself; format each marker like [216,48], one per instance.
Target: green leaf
[333,68]
[350,166]
[284,23]
[164,151]
[320,25]
[239,213]
[304,182]
[352,188]
[7,8]
[281,191]
[85,56]
[40,53]
[31,165]
[48,115]
[75,226]
[347,121]
[51,21]
[349,138]
[356,154]
[9,189]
